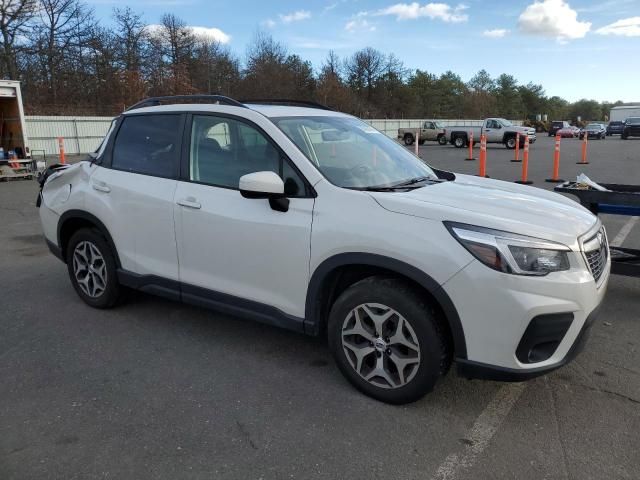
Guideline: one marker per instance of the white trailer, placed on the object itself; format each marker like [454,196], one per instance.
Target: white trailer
[15,158]
[621,113]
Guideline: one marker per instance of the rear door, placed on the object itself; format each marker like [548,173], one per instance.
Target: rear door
[133,192]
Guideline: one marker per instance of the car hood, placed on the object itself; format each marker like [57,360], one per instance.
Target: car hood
[495,204]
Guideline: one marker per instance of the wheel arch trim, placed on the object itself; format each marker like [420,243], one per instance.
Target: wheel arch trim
[82,215]
[322,272]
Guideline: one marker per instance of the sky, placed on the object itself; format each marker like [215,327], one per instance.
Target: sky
[575,49]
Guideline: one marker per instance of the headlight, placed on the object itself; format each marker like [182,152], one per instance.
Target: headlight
[509,252]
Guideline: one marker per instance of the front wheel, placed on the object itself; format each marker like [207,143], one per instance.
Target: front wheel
[386,340]
[510,143]
[92,269]
[442,140]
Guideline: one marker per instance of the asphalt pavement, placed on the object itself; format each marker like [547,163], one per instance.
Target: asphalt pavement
[155,389]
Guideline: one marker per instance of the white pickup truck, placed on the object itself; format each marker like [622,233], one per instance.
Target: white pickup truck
[431,130]
[497,130]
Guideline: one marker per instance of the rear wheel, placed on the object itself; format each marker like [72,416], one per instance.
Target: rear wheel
[92,269]
[460,141]
[387,341]
[408,139]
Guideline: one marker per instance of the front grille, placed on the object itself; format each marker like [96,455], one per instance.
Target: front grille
[596,253]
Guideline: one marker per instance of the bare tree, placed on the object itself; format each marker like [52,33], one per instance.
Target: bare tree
[65,27]
[14,17]
[363,70]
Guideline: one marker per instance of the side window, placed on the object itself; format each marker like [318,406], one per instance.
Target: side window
[428,125]
[148,144]
[223,150]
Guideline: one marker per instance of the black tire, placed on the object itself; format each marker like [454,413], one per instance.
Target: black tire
[408,139]
[510,143]
[460,141]
[421,142]
[623,137]
[442,140]
[112,292]
[435,356]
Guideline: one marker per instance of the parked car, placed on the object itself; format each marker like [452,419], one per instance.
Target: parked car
[497,130]
[615,128]
[557,125]
[631,128]
[431,130]
[594,130]
[569,132]
[312,220]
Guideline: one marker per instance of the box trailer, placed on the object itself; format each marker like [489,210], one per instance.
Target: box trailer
[621,113]
[15,158]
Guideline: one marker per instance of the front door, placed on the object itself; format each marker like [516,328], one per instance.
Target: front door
[493,131]
[235,246]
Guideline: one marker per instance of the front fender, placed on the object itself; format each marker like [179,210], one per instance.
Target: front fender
[313,320]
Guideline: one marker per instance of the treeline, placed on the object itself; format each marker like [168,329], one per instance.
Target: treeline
[69,64]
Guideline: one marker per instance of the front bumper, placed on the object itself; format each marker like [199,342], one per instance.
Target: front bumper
[495,310]
[482,371]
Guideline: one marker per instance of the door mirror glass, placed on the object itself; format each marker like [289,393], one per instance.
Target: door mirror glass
[261,185]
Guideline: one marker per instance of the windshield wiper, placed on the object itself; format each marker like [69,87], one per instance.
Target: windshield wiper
[413,181]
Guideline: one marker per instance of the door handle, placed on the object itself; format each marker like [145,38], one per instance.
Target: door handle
[189,202]
[101,187]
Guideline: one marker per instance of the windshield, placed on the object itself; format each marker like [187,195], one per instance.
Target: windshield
[439,124]
[593,126]
[352,154]
[505,123]
[633,120]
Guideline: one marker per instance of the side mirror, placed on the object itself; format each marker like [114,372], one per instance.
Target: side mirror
[265,185]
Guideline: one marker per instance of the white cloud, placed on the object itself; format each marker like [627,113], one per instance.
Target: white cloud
[439,11]
[269,23]
[295,16]
[552,18]
[359,25]
[213,33]
[495,33]
[209,32]
[627,27]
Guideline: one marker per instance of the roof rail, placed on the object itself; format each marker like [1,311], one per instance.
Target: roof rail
[289,103]
[173,99]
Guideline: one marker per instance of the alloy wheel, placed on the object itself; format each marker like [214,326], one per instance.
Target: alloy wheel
[380,345]
[90,269]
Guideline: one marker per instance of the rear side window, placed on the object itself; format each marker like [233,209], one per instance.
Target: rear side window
[148,144]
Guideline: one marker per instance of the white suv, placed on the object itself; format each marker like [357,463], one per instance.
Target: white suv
[311,220]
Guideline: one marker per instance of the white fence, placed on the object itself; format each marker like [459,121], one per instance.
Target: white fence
[84,134]
[81,134]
